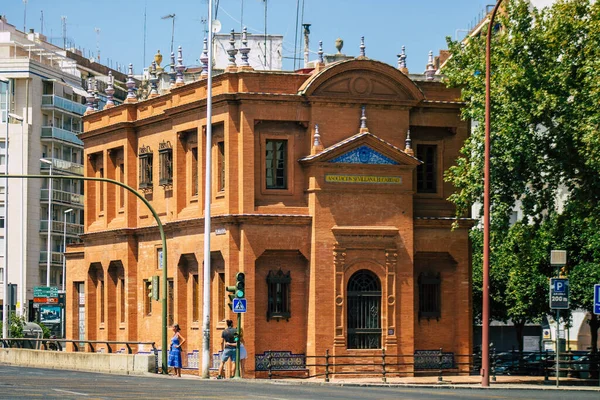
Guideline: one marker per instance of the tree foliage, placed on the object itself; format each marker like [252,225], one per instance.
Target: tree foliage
[545,151]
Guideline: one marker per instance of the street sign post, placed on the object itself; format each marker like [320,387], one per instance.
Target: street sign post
[239,305]
[597,299]
[45,291]
[559,294]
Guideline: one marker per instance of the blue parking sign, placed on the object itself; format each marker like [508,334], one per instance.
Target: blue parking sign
[559,293]
[597,299]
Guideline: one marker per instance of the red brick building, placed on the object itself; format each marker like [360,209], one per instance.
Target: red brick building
[344,233]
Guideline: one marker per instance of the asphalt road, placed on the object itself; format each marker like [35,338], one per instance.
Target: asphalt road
[32,383]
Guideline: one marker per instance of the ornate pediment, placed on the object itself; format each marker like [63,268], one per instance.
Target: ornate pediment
[364,155]
[361,79]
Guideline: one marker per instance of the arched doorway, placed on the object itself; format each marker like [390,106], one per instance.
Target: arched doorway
[364,311]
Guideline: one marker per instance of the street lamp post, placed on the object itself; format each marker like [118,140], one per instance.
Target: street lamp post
[70,210]
[485,318]
[5,270]
[207,209]
[49,241]
[21,286]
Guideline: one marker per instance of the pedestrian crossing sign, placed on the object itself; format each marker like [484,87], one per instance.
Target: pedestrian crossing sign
[239,305]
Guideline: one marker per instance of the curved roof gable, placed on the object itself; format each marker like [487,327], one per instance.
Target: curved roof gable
[362,79]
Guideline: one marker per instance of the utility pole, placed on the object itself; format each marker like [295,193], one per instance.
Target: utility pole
[172,17]
[63,20]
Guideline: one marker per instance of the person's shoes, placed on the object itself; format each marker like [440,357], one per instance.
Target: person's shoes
[220,377]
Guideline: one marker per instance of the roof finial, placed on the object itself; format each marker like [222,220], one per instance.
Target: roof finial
[172,72]
[363,120]
[362,47]
[232,51]
[402,61]
[110,91]
[131,89]
[90,97]
[244,50]
[430,71]
[408,144]
[317,147]
[339,44]
[204,59]
[180,68]
[320,52]
[153,81]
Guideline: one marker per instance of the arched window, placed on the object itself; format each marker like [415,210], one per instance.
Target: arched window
[364,311]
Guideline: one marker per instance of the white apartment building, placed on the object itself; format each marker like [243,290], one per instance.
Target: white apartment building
[45,91]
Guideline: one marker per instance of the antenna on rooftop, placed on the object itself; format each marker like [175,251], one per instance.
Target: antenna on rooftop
[144,60]
[63,21]
[97,30]
[265,53]
[25,16]
[42,22]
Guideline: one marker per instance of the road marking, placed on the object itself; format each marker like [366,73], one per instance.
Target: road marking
[70,392]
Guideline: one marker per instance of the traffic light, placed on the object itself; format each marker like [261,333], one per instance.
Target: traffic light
[231,295]
[240,285]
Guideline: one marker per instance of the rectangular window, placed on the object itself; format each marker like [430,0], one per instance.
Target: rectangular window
[170,301]
[429,296]
[195,294]
[276,160]
[145,159]
[1,275]
[165,154]
[221,294]
[159,258]
[278,291]
[148,297]
[221,165]
[194,171]
[101,289]
[427,172]
[101,184]
[121,189]
[122,289]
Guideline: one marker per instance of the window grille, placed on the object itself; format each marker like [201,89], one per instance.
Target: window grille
[429,296]
[278,285]
[364,311]
[427,172]
[145,158]
[165,154]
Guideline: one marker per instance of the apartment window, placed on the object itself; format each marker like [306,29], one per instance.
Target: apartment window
[427,172]
[221,165]
[194,171]
[3,102]
[278,292]
[276,168]
[165,154]
[1,216]
[148,297]
[122,289]
[221,294]
[145,160]
[195,294]
[1,275]
[121,189]
[429,295]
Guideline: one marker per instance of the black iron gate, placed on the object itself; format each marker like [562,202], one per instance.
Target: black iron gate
[364,311]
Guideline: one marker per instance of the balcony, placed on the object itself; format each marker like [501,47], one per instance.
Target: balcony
[50,100]
[67,198]
[56,257]
[51,132]
[59,226]
[62,165]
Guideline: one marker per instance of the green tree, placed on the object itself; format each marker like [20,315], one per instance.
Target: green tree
[16,326]
[545,149]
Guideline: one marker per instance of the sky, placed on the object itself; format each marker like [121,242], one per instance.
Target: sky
[387,25]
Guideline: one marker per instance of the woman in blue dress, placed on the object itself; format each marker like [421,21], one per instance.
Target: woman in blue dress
[175,352]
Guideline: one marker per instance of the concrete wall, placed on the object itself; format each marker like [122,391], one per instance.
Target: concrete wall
[126,364]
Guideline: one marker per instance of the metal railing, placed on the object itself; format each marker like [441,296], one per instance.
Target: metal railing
[63,104]
[63,165]
[59,227]
[59,196]
[55,257]
[52,132]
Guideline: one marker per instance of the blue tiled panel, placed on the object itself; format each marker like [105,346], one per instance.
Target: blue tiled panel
[364,155]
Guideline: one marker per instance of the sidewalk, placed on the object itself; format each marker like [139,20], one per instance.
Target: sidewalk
[463,382]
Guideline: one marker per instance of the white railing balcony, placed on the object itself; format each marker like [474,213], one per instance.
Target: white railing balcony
[59,226]
[62,165]
[51,100]
[58,196]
